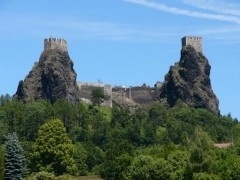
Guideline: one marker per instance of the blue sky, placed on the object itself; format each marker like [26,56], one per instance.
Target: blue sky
[123,42]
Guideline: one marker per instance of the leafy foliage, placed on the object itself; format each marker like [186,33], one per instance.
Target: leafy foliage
[118,158]
[80,156]
[152,142]
[98,96]
[1,163]
[53,150]
[44,176]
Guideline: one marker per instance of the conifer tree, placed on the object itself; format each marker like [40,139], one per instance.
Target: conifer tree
[14,160]
[1,162]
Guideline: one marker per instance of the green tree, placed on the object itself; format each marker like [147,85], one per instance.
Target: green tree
[202,154]
[95,155]
[146,167]
[80,156]
[15,116]
[158,115]
[14,160]
[1,163]
[36,114]
[98,96]
[120,117]
[64,110]
[3,126]
[142,168]
[53,150]
[118,159]
[5,99]
[100,126]
[228,163]
[204,176]
[180,163]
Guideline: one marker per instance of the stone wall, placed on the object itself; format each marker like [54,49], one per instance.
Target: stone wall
[194,41]
[55,43]
[87,88]
[139,94]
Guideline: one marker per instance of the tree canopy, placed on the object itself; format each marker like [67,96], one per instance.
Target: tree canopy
[149,142]
[53,150]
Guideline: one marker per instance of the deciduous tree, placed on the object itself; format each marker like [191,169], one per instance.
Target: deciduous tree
[53,150]
[98,96]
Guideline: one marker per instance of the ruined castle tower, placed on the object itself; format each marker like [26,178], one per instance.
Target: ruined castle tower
[55,43]
[194,41]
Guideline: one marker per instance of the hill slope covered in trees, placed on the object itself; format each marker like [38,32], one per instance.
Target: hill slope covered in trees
[153,142]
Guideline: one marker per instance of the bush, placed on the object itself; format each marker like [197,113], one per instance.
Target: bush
[44,176]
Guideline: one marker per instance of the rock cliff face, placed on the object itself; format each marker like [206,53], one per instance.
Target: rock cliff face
[188,80]
[52,78]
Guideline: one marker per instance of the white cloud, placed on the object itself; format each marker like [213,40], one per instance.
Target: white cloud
[174,10]
[224,34]
[40,25]
[216,6]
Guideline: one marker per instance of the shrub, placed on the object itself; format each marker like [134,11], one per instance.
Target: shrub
[44,176]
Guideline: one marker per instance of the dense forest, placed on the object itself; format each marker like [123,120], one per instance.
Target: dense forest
[151,142]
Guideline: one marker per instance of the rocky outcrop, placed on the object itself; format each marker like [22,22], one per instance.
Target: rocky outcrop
[52,78]
[189,81]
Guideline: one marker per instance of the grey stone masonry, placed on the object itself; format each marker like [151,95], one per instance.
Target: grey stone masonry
[194,41]
[55,43]
[86,89]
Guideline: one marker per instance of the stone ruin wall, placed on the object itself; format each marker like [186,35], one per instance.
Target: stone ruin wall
[55,43]
[87,88]
[139,94]
[194,41]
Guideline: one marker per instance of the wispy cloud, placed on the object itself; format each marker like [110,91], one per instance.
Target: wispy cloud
[186,12]
[223,34]
[216,6]
[40,25]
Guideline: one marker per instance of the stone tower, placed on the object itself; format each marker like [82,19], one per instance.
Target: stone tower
[55,43]
[194,41]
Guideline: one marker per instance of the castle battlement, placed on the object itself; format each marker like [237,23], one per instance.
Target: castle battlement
[55,43]
[194,41]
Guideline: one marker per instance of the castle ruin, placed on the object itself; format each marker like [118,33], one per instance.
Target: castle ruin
[55,43]
[194,41]
[86,89]
[138,94]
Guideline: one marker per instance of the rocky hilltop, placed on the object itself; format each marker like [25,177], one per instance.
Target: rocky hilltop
[189,81]
[52,78]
